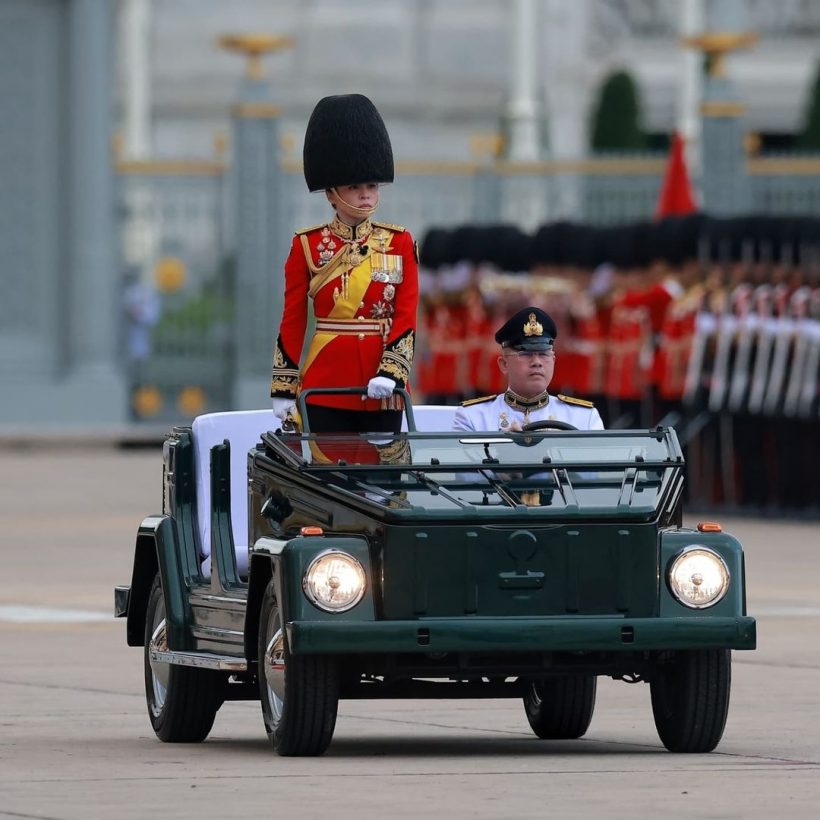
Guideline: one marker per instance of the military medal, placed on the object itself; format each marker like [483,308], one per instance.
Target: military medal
[381,310]
[381,239]
[389,292]
[325,247]
[354,254]
[503,421]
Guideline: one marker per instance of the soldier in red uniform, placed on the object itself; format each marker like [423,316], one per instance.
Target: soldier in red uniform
[677,339]
[362,276]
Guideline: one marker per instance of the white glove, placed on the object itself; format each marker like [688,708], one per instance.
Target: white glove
[380,387]
[281,408]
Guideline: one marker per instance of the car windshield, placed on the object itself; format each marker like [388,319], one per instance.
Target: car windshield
[600,472]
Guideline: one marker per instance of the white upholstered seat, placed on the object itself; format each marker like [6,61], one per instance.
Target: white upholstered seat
[243,429]
[432,418]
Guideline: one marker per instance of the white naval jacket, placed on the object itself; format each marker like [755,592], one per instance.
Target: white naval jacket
[495,413]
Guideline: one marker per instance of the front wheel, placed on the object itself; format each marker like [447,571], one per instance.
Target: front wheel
[561,708]
[182,701]
[690,699]
[299,693]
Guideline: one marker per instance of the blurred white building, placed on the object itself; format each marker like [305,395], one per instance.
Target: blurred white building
[440,70]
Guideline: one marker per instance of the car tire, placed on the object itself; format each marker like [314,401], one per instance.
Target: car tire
[299,693]
[182,701]
[690,699]
[561,708]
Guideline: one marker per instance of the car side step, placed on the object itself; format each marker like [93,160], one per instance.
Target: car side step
[201,660]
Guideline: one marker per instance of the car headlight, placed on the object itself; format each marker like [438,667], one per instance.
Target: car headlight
[698,577]
[334,581]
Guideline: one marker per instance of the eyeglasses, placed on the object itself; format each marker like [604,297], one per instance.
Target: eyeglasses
[530,355]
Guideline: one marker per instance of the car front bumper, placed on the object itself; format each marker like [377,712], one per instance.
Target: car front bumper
[556,634]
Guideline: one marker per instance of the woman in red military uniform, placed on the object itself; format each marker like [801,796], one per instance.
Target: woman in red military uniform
[362,276]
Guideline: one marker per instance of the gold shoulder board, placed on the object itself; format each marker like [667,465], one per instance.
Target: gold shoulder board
[479,400]
[311,228]
[572,400]
[390,227]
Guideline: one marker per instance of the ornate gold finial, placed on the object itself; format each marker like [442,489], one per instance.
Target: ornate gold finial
[533,327]
[254,46]
[717,44]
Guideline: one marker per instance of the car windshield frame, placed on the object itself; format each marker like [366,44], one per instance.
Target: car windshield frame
[600,473]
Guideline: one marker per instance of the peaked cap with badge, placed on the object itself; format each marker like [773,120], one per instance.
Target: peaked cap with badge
[529,329]
[362,279]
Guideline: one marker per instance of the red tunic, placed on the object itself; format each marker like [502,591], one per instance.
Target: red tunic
[656,300]
[628,365]
[444,330]
[364,285]
[584,348]
[476,330]
[676,342]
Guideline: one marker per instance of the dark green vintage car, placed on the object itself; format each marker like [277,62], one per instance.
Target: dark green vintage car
[300,569]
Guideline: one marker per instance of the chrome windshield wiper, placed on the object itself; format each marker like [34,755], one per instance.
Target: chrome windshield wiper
[435,487]
[499,488]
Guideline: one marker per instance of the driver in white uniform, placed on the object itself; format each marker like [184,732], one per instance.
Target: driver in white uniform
[527,359]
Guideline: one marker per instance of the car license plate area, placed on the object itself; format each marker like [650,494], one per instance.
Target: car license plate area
[502,571]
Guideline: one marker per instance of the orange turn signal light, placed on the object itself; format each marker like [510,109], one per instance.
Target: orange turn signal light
[311,531]
[709,526]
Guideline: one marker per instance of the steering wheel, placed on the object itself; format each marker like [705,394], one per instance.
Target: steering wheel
[547,424]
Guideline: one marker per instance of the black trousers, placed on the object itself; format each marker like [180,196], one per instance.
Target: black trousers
[334,420]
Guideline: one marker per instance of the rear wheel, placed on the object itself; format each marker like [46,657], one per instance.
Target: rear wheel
[690,699]
[561,708]
[299,693]
[182,701]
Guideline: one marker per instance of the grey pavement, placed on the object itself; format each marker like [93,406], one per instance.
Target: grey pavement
[75,741]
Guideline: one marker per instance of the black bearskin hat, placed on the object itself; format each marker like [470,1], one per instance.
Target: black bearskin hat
[346,143]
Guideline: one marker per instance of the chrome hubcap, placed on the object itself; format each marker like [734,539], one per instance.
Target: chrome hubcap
[160,671]
[275,668]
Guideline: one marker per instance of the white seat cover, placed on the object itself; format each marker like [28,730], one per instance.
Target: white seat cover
[243,429]
[432,418]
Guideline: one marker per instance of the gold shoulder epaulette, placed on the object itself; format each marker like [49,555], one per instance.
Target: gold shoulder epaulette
[390,226]
[573,400]
[479,400]
[311,228]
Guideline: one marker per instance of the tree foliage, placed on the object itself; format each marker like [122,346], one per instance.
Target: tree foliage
[616,124]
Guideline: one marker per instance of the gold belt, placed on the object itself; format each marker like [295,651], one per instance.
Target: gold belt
[352,327]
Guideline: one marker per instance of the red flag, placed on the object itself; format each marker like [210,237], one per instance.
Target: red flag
[676,197]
